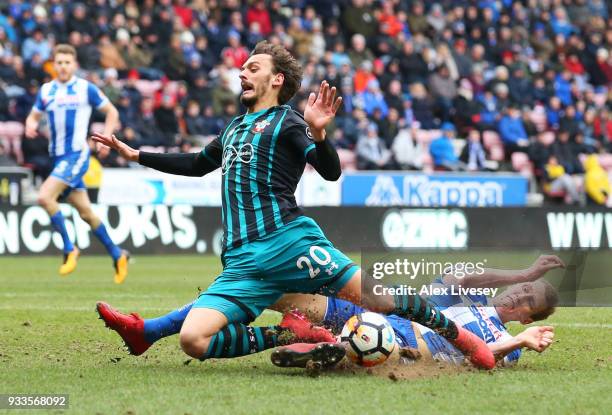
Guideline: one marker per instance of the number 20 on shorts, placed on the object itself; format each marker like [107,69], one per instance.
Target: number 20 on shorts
[321,257]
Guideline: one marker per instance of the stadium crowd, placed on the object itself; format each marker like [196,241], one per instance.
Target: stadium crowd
[448,85]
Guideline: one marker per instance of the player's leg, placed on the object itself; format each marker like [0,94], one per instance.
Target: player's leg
[80,200]
[416,308]
[313,306]
[139,334]
[48,195]
[215,326]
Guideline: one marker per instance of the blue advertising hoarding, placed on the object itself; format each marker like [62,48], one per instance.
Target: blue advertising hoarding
[428,190]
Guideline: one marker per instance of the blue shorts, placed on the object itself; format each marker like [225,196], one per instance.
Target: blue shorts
[296,258]
[70,169]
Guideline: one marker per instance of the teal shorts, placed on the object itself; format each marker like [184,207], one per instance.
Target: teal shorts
[296,258]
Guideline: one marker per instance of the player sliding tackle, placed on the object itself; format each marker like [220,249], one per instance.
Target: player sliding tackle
[270,247]
[527,299]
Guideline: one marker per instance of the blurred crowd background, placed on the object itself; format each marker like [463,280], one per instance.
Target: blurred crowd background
[463,85]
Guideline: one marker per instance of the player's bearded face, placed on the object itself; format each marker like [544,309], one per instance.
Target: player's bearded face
[254,89]
[256,78]
[65,66]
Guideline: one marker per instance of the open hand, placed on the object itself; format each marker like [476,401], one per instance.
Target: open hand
[113,142]
[321,109]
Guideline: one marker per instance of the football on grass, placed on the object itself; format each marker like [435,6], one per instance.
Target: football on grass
[370,339]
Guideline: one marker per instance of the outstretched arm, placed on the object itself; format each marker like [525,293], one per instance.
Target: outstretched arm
[533,338]
[319,112]
[186,164]
[491,278]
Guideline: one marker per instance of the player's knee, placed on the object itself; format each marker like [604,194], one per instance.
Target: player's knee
[87,215]
[194,344]
[44,201]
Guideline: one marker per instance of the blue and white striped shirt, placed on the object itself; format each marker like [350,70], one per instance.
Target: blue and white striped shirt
[475,314]
[68,107]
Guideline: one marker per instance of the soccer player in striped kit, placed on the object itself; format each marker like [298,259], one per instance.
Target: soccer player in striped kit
[67,102]
[270,247]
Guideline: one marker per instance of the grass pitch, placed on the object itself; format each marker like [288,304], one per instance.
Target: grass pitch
[52,342]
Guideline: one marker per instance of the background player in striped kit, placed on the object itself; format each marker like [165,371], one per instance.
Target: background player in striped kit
[67,102]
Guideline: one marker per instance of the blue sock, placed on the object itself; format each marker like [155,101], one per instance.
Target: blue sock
[164,326]
[102,235]
[57,221]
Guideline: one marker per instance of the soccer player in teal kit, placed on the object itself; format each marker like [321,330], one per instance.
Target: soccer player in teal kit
[270,247]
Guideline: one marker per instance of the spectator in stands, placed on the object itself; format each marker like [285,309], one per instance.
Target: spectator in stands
[512,131]
[146,126]
[109,54]
[372,154]
[258,13]
[554,113]
[569,122]
[563,87]
[422,106]
[394,97]
[443,152]
[111,86]
[222,95]
[372,99]
[195,122]
[567,152]
[443,89]
[489,115]
[166,120]
[200,91]
[358,17]
[77,21]
[600,71]
[235,50]
[473,153]
[465,110]
[36,45]
[359,53]
[520,88]
[556,180]
[131,52]
[407,151]
[390,126]
[596,182]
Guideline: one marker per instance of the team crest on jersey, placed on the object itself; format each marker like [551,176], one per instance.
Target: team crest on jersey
[260,126]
